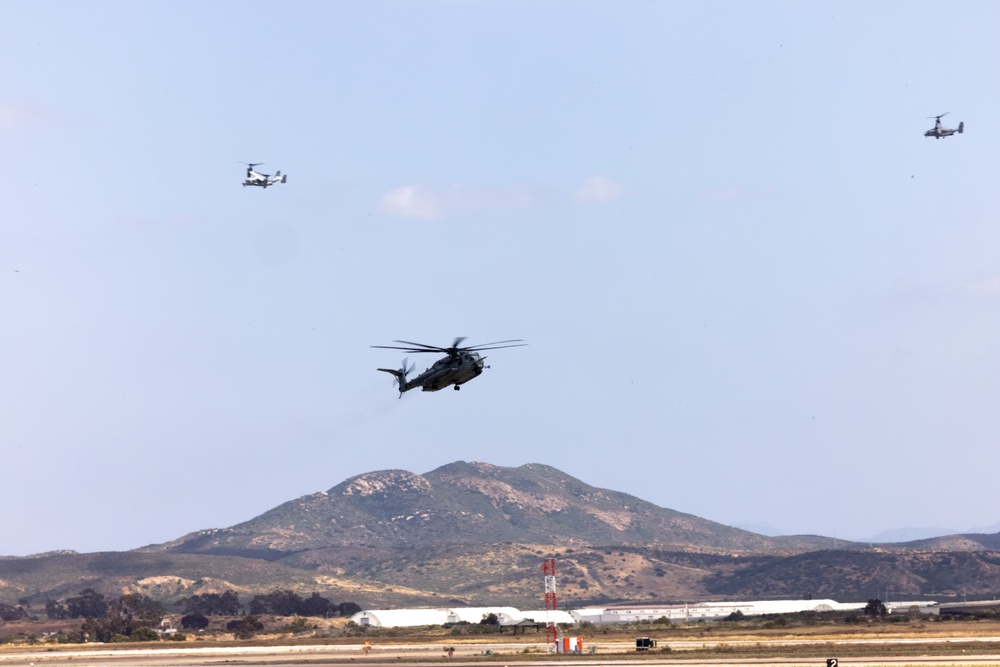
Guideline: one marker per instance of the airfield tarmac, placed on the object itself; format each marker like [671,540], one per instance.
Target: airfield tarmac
[478,654]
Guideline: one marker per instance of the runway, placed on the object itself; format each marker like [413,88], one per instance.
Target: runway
[607,654]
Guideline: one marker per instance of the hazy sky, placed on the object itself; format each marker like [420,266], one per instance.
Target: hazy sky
[752,290]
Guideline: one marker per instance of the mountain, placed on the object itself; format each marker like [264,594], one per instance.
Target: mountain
[860,575]
[476,534]
[472,503]
[910,534]
[968,542]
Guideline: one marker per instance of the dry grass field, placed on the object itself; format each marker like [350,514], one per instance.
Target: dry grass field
[331,641]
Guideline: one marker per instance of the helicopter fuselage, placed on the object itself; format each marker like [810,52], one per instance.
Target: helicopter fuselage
[262,180]
[454,369]
[939,131]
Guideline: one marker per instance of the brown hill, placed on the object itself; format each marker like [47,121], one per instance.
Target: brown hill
[473,503]
[476,534]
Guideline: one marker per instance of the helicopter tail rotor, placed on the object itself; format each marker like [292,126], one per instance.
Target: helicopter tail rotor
[961,127]
[400,376]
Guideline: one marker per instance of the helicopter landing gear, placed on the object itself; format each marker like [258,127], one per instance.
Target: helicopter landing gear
[457,387]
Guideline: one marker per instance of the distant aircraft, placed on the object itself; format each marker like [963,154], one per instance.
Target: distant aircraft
[938,131]
[259,179]
[458,366]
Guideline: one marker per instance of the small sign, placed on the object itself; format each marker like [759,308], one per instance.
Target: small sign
[832,662]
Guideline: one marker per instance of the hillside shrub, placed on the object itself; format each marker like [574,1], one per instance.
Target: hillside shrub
[298,625]
[246,627]
[144,633]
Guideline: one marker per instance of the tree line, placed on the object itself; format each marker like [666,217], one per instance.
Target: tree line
[9,612]
[135,617]
[130,617]
[91,604]
[198,608]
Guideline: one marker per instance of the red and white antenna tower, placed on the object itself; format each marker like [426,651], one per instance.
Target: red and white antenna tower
[551,629]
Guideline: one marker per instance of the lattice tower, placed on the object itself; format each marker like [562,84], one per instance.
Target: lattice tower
[551,629]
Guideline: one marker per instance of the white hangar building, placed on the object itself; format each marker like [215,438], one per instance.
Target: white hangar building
[476,614]
[707,610]
[401,618]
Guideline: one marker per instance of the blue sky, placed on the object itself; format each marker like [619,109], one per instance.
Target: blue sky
[752,290]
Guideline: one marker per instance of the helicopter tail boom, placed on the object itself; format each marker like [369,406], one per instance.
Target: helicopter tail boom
[398,374]
[400,378]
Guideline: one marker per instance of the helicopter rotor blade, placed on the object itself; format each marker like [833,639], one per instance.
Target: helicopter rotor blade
[516,342]
[455,349]
[941,116]
[497,347]
[409,349]
[422,345]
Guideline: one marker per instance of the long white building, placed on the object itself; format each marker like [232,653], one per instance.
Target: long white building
[707,610]
[402,618]
[398,618]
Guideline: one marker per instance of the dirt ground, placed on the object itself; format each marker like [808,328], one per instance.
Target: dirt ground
[913,642]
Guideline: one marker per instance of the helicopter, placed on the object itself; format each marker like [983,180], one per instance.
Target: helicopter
[938,131]
[262,180]
[458,366]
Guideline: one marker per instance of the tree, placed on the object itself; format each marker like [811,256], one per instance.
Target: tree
[246,627]
[103,629]
[316,605]
[490,619]
[131,617]
[88,604]
[348,608]
[279,603]
[213,604]
[195,621]
[137,610]
[228,604]
[56,610]
[875,608]
[11,613]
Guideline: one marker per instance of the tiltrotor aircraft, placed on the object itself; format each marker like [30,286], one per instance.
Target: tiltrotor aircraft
[262,180]
[938,131]
[458,366]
